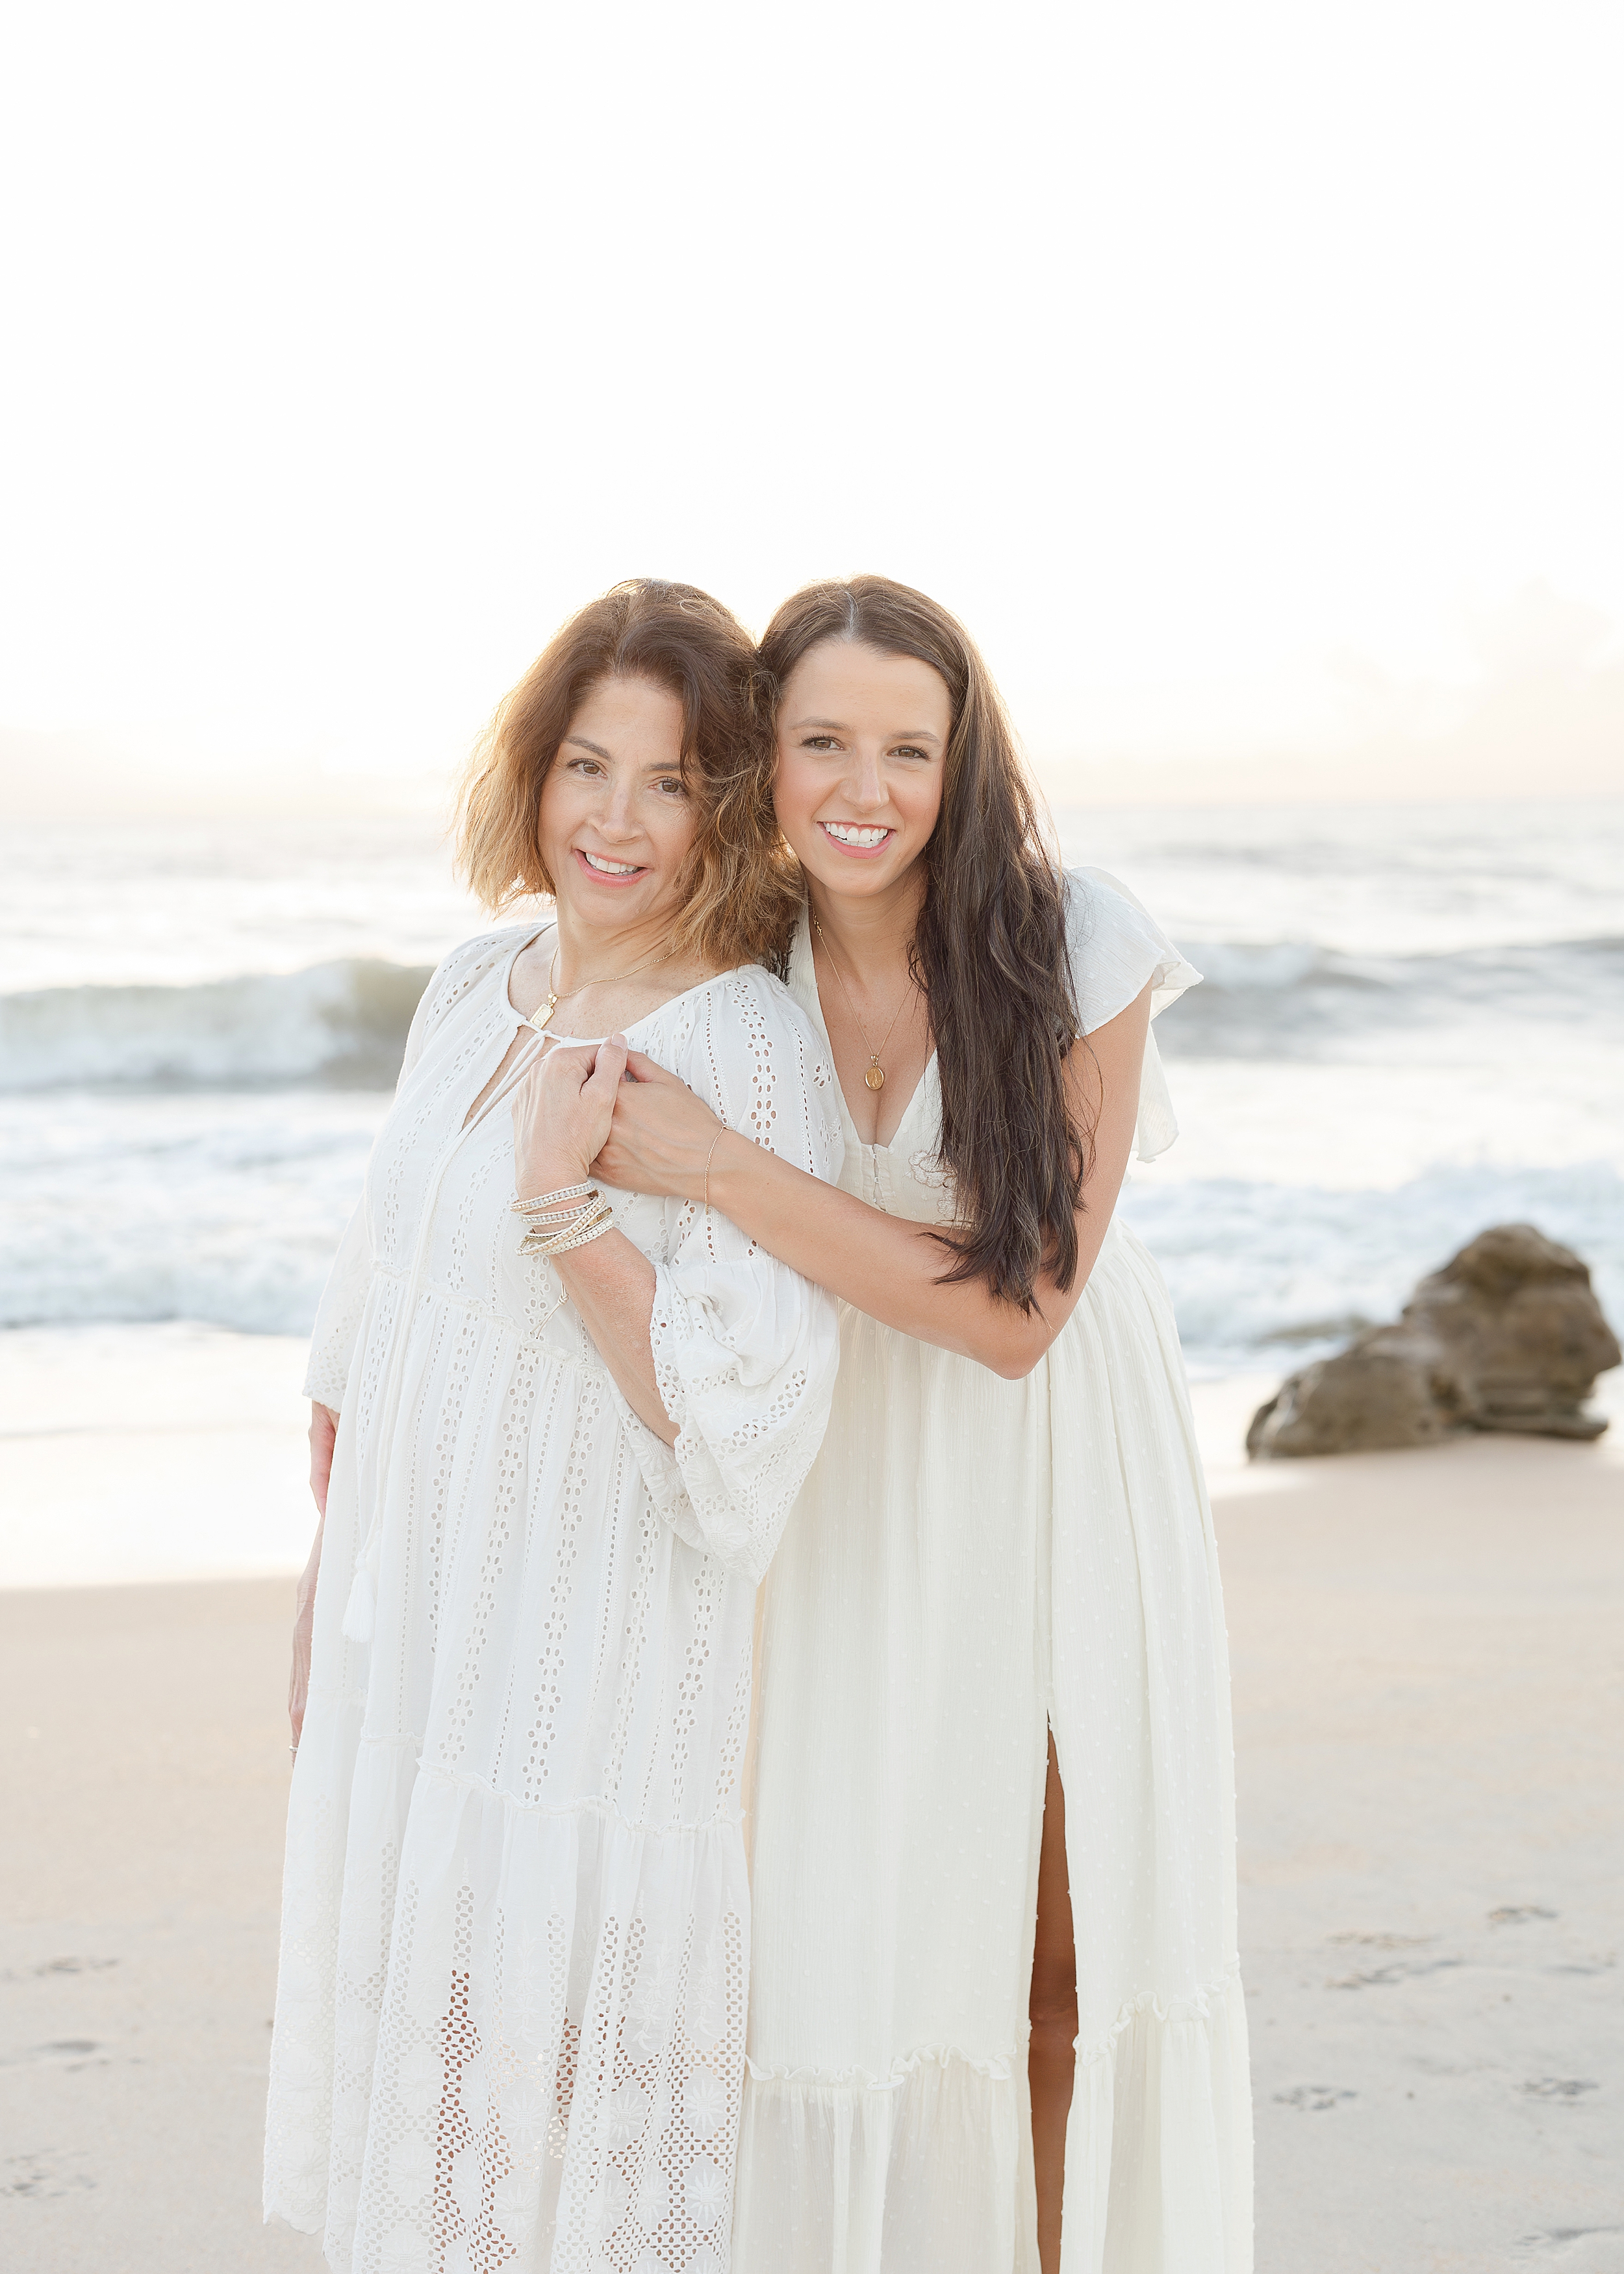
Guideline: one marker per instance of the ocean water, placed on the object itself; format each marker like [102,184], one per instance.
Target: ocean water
[1412,1026]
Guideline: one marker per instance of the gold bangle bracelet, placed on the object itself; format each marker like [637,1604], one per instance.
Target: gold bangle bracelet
[715,1141]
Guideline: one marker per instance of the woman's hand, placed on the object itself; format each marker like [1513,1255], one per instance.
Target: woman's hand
[561,1112]
[323,1431]
[661,1137]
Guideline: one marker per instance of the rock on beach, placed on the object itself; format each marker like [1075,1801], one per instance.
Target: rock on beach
[1508,1335]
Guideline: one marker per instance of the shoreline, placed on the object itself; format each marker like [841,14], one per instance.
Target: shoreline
[176,1453]
[151,1455]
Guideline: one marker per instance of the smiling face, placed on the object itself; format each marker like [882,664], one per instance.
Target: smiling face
[617,820]
[862,751]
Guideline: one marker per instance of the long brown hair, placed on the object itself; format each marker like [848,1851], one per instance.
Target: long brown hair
[989,950]
[738,888]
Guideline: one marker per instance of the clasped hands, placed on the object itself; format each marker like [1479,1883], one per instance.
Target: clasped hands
[598,1110]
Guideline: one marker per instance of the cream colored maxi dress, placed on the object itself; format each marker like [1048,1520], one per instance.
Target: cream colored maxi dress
[515,1930]
[973,1559]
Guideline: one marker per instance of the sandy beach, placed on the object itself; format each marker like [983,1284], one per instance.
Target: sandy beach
[1429,1772]
[1429,1769]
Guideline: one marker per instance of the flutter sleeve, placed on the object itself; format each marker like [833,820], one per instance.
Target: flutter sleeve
[1116,949]
[745,1349]
[343,1299]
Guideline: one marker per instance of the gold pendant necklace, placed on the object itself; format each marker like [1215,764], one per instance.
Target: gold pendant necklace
[538,1018]
[874,1073]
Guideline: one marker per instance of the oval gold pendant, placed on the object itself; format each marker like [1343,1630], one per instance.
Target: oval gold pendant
[875,1077]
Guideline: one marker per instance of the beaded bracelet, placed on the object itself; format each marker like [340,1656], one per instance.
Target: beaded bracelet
[553,1199]
[587,1223]
[551,1219]
[593,1230]
[542,1231]
[568,1215]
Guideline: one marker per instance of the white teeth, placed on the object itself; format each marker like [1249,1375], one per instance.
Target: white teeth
[844,833]
[609,867]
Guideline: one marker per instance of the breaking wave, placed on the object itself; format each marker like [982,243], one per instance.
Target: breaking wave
[1295,999]
[337,1024]
[343,1024]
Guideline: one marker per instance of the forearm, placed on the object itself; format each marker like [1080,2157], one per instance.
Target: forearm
[894,1270]
[610,1284]
[664,1141]
[882,1264]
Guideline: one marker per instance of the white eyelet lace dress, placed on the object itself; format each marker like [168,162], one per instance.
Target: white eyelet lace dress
[510,2016]
[971,1559]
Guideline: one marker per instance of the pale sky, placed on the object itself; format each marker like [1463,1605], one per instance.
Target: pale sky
[1247,377]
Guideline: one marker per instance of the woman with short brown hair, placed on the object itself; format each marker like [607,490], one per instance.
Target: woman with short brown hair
[565,1426]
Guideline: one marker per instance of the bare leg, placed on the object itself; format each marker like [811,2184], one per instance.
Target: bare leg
[1050,2058]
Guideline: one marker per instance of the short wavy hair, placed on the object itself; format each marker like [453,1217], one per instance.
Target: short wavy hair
[739,893]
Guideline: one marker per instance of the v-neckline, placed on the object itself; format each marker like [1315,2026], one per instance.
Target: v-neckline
[803,965]
[489,1093]
[587,1042]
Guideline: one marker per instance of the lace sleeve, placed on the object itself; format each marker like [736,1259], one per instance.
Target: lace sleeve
[745,1349]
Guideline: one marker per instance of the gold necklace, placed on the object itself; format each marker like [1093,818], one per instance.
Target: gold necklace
[538,1020]
[874,1073]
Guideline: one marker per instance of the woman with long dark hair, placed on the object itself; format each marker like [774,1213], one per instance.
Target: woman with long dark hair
[995,1965]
